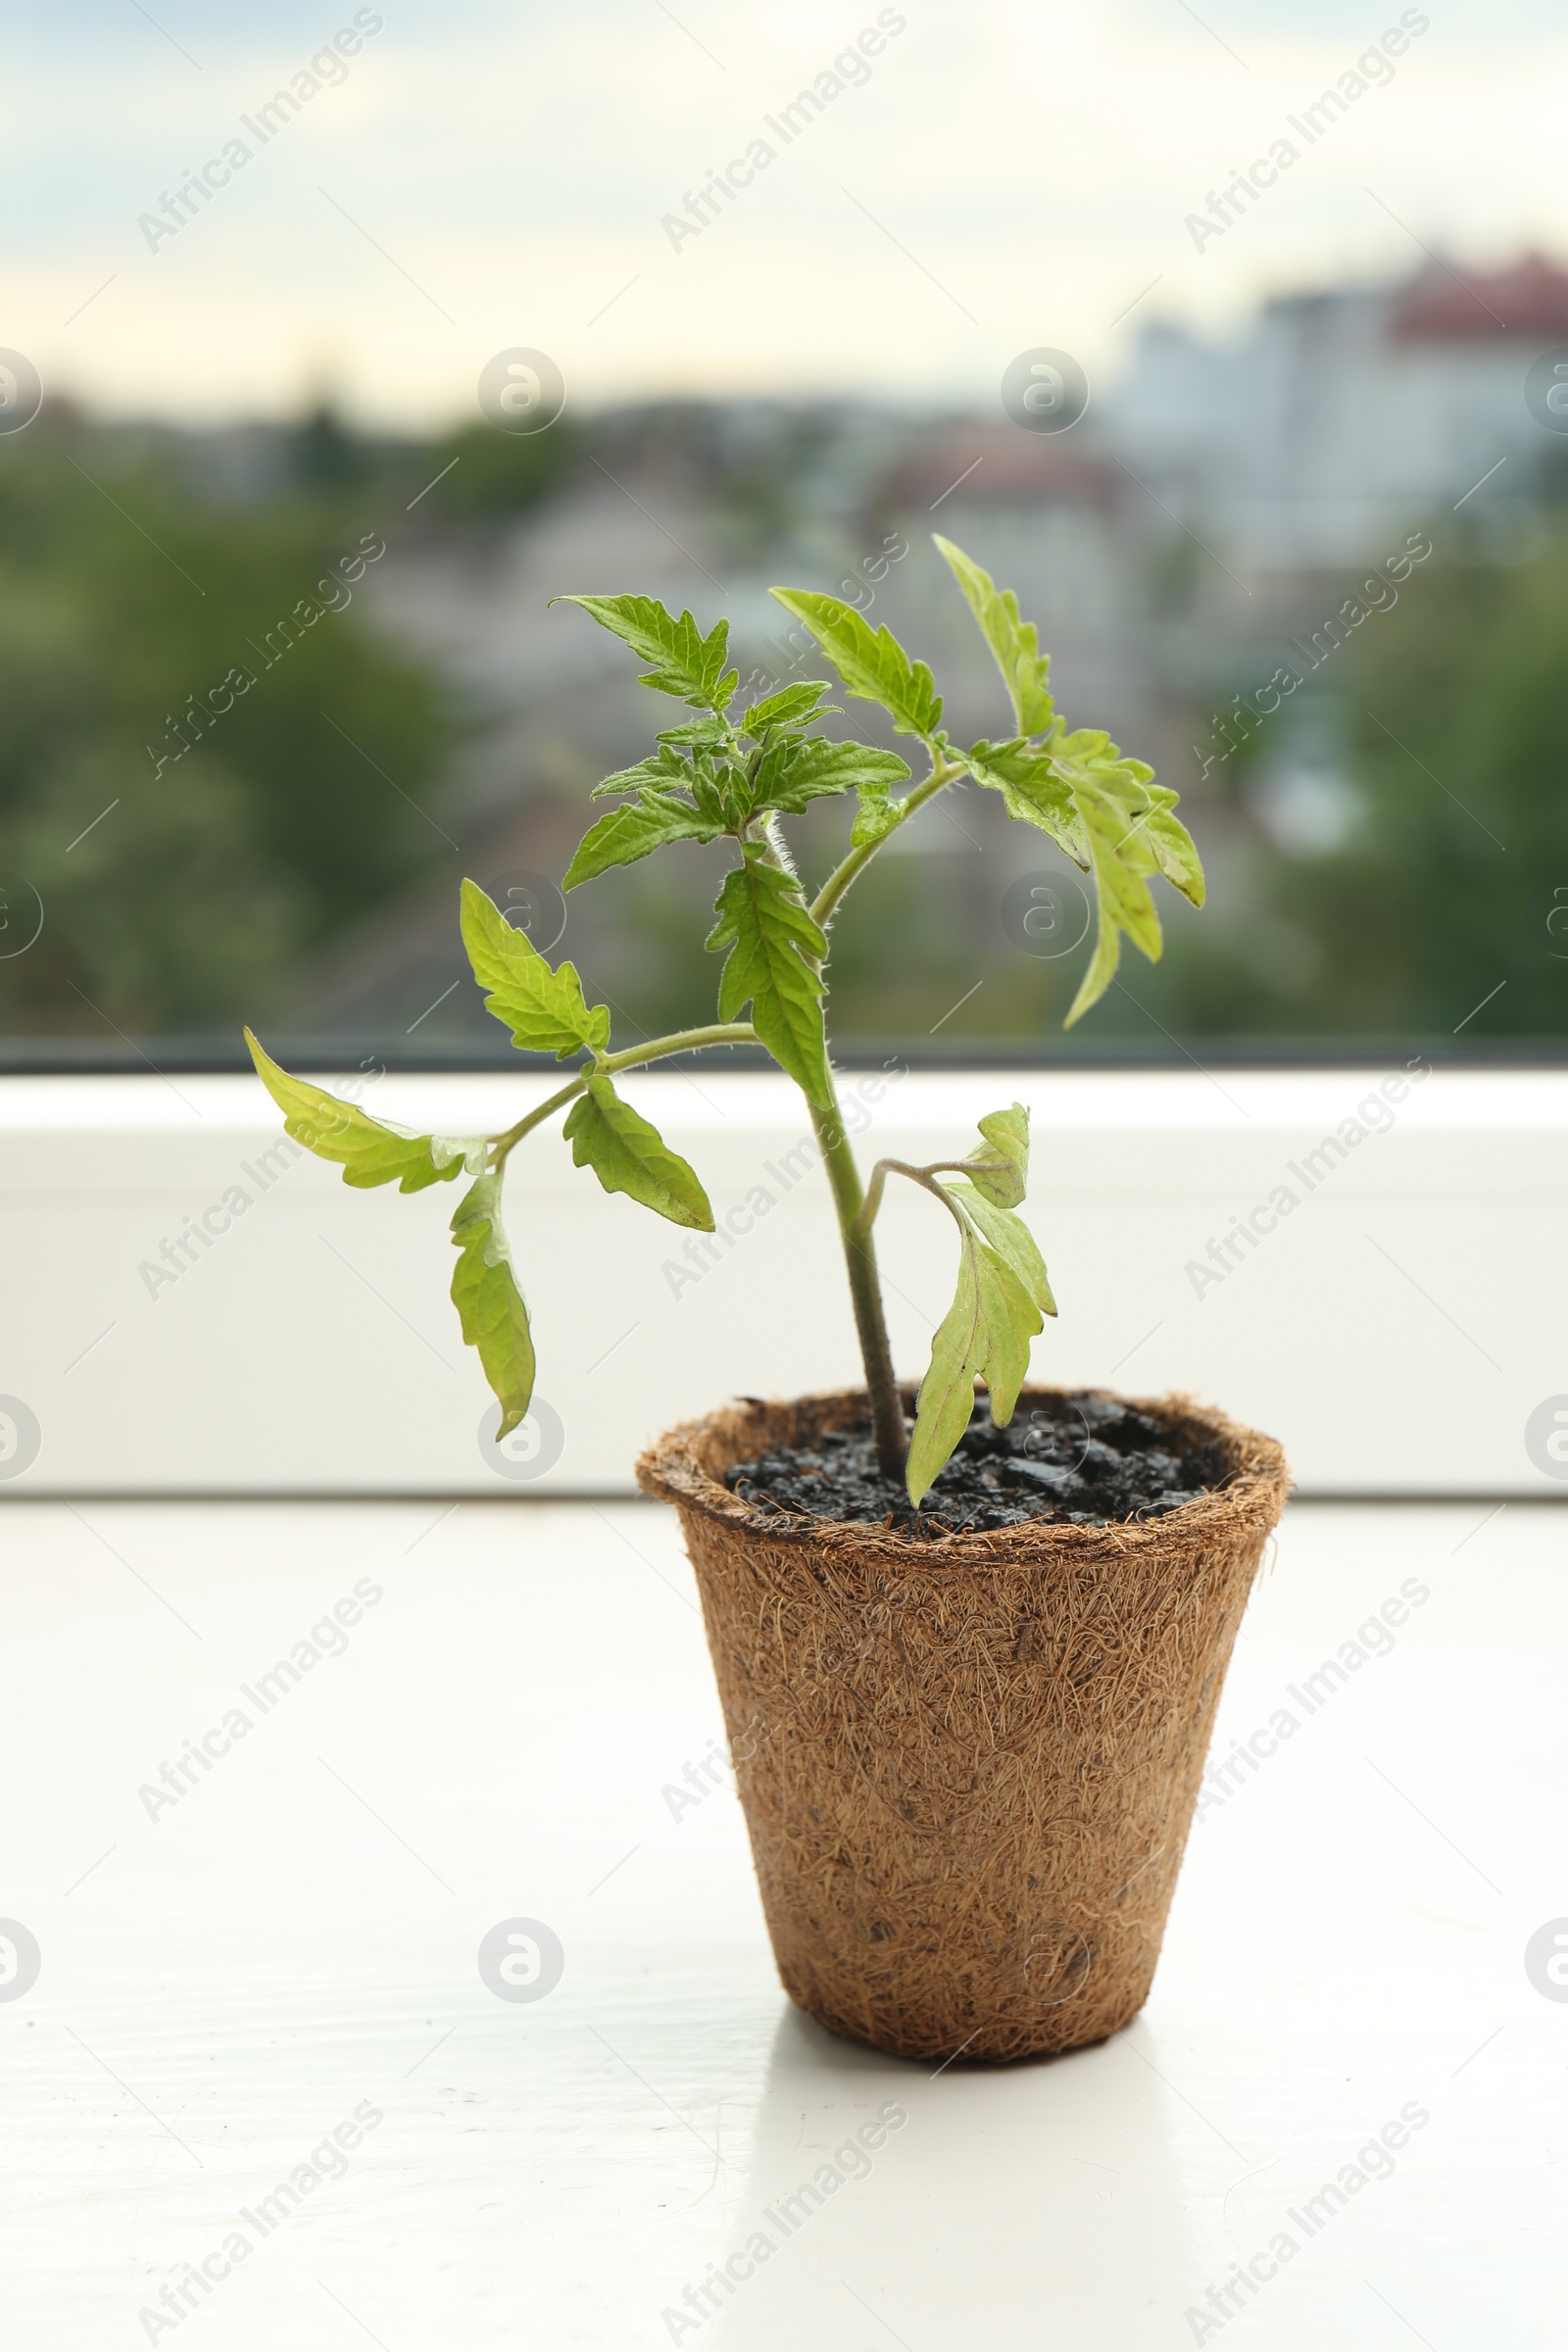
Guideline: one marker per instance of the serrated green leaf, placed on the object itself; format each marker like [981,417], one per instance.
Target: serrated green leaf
[1174,851]
[775,962]
[875,817]
[703,734]
[791,707]
[685,662]
[1014,643]
[793,772]
[662,769]
[633,831]
[628,1155]
[544,1009]
[1123,903]
[1113,819]
[985,1335]
[872,663]
[999,1167]
[1026,776]
[490,1305]
[369,1152]
[1131,835]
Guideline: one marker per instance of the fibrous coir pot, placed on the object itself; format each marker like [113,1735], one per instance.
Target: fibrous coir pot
[968,1765]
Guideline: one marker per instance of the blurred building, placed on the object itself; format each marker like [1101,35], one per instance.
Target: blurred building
[1340,417]
[1052,520]
[1201,526]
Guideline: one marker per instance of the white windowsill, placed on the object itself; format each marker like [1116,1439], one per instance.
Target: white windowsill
[226,1978]
[1395,1330]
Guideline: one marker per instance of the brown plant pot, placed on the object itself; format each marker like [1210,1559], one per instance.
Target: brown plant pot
[968,1766]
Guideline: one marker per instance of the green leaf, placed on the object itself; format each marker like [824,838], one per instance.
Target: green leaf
[684,662]
[1102,968]
[628,1155]
[544,1009]
[1113,819]
[1025,774]
[1000,1165]
[872,663]
[630,832]
[793,772]
[876,816]
[1002,1294]
[790,707]
[1016,643]
[1106,811]
[1011,1240]
[1174,849]
[775,958]
[369,1152]
[1123,902]
[662,769]
[1122,863]
[1132,834]
[985,1335]
[703,734]
[489,1304]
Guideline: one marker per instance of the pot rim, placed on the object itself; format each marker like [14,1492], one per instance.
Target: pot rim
[674,1470]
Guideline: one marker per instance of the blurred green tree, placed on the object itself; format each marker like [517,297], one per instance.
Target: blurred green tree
[493,476]
[1444,907]
[180,883]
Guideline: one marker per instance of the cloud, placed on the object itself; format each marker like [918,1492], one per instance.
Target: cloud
[1013,177]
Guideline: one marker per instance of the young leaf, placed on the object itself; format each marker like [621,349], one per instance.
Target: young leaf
[628,1155]
[1110,816]
[661,769]
[1016,643]
[791,707]
[999,1167]
[489,1304]
[1011,1240]
[1172,846]
[1132,834]
[793,772]
[703,734]
[775,955]
[544,1009]
[369,1152]
[1106,811]
[1035,793]
[630,832]
[876,816]
[1123,903]
[872,663]
[1094,770]
[685,662]
[985,1335]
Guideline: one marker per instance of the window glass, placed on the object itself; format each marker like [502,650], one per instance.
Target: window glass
[1236,343]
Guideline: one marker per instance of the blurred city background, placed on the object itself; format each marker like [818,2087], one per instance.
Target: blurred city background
[1308,556]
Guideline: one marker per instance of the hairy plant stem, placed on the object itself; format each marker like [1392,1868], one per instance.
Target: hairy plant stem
[845,872]
[657,1049]
[838,1158]
[865,1291]
[843,1176]
[924,1177]
[681,1041]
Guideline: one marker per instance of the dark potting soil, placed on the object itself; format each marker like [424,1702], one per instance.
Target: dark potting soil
[1083,1459]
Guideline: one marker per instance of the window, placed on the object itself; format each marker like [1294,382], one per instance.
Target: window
[1235,348]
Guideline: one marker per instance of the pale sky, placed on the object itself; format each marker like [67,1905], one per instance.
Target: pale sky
[484,176]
